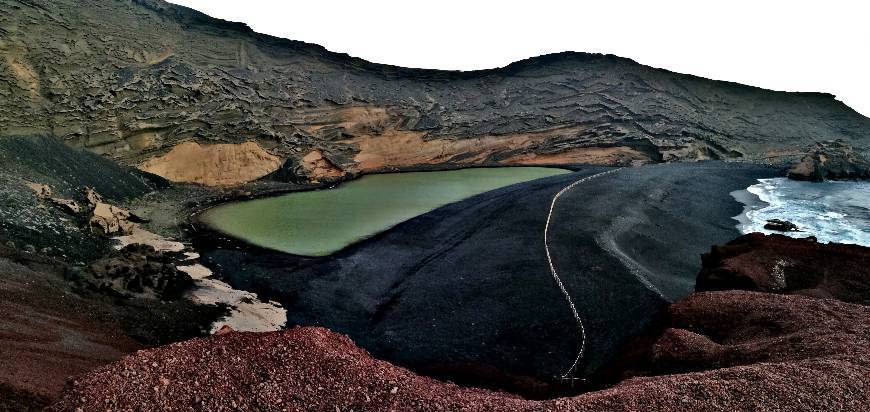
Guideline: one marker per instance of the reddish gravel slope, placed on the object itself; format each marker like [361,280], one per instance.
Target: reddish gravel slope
[781,264]
[48,333]
[778,352]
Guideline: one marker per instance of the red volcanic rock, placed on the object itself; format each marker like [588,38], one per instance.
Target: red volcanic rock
[780,264]
[297,369]
[722,329]
[684,350]
[773,352]
[48,333]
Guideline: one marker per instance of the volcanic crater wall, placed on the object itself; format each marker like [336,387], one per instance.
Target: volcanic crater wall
[134,79]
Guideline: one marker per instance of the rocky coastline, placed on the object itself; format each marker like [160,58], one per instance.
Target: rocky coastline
[831,160]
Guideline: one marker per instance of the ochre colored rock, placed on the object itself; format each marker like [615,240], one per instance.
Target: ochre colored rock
[105,218]
[42,191]
[320,168]
[110,220]
[213,164]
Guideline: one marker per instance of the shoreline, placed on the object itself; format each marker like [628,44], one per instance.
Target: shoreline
[320,223]
[255,310]
[830,211]
[751,202]
[283,277]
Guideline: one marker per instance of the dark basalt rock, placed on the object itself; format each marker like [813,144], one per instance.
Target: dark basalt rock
[135,271]
[781,264]
[831,160]
[781,226]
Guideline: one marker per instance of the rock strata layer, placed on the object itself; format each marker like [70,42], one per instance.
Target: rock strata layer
[144,81]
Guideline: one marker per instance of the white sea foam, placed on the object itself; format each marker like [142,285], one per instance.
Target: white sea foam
[830,211]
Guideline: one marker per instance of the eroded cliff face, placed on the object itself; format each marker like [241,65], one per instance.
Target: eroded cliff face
[134,79]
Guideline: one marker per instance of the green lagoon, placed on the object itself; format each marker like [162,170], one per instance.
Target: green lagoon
[321,222]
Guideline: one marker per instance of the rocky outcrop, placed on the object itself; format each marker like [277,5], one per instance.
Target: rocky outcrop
[44,192]
[781,226]
[48,332]
[51,330]
[134,80]
[319,168]
[831,160]
[711,330]
[134,271]
[781,264]
[42,202]
[106,219]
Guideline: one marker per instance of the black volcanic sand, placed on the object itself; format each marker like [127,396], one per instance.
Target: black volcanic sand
[465,293]
[24,220]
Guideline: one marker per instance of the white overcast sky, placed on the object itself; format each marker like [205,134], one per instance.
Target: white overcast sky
[796,45]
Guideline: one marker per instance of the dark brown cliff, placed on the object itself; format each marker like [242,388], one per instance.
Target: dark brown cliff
[136,79]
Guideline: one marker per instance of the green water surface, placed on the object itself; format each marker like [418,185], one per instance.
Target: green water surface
[318,223]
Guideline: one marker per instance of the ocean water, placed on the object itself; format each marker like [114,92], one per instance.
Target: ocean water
[830,211]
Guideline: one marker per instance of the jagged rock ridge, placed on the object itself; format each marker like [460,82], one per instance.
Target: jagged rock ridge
[134,79]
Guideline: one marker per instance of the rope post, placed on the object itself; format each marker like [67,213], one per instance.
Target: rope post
[568,375]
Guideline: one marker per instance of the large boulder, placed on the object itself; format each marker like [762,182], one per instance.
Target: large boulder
[781,226]
[105,218]
[831,160]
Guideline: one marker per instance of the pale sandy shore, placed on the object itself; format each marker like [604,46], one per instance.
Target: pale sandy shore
[247,312]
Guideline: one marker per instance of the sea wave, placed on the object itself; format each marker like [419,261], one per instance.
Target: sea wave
[830,211]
